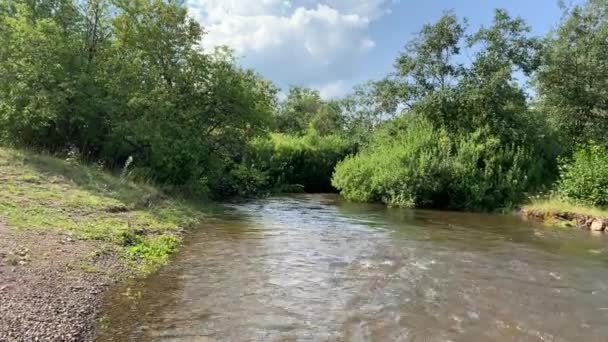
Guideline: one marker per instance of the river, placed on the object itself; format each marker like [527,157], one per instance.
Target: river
[317,268]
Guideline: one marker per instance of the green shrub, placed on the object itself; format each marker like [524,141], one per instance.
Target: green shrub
[485,174]
[584,178]
[425,167]
[405,171]
[305,162]
[239,180]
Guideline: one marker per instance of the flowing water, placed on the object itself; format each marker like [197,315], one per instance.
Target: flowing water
[315,268]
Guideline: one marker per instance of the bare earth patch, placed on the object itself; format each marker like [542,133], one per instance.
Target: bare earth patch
[50,287]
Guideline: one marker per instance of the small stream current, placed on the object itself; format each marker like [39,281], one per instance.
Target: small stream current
[316,268]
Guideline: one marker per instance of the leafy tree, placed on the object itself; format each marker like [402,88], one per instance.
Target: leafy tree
[328,119]
[124,79]
[368,106]
[39,56]
[467,139]
[185,114]
[298,109]
[572,83]
[299,162]
[427,64]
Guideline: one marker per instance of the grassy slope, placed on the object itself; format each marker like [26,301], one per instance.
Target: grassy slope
[136,220]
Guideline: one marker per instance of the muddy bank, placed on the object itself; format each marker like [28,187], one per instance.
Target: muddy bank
[595,223]
[51,285]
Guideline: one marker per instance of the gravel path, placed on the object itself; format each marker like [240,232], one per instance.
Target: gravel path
[51,285]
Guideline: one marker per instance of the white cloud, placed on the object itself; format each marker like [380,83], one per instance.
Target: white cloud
[302,42]
[334,89]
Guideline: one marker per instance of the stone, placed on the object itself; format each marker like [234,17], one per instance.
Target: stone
[598,225]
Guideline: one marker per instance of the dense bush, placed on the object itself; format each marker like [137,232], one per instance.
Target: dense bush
[404,171]
[426,167]
[485,174]
[126,80]
[306,162]
[584,178]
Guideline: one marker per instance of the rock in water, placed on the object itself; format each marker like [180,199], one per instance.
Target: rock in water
[598,225]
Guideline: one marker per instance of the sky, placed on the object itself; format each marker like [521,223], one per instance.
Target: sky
[332,45]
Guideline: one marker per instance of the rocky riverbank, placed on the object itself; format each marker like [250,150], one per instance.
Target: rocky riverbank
[51,285]
[567,215]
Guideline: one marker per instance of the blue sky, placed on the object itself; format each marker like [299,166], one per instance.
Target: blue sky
[332,45]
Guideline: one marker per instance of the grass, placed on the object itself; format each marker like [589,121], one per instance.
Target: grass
[43,192]
[553,206]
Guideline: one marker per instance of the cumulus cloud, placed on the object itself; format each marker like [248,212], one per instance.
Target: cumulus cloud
[303,42]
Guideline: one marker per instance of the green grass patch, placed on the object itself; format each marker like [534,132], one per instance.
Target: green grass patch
[43,192]
[553,206]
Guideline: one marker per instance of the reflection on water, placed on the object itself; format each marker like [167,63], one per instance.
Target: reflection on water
[315,268]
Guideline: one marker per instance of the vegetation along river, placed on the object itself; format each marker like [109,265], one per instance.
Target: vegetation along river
[316,268]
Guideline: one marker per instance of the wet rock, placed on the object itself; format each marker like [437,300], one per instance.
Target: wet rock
[598,225]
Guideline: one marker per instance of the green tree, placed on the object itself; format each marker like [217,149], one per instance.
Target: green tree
[297,110]
[572,83]
[368,106]
[427,64]
[185,114]
[38,45]
[126,78]
[328,119]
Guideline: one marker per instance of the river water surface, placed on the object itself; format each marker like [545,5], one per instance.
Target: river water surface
[316,268]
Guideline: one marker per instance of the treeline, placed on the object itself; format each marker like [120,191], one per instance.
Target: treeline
[469,119]
[122,80]
[124,83]
[492,116]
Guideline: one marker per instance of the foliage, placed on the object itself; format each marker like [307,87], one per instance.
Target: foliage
[139,221]
[572,79]
[368,106]
[404,172]
[585,177]
[127,79]
[427,167]
[306,161]
[125,83]
[426,66]
[468,139]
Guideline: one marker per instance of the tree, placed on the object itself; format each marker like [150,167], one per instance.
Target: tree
[116,79]
[183,113]
[328,119]
[572,82]
[369,105]
[480,95]
[298,109]
[427,63]
[489,95]
[38,49]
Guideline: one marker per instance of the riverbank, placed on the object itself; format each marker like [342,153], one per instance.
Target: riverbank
[561,213]
[70,231]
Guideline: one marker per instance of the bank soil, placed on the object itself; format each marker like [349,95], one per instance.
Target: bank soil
[51,285]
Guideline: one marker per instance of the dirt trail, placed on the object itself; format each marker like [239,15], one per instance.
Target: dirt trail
[50,285]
